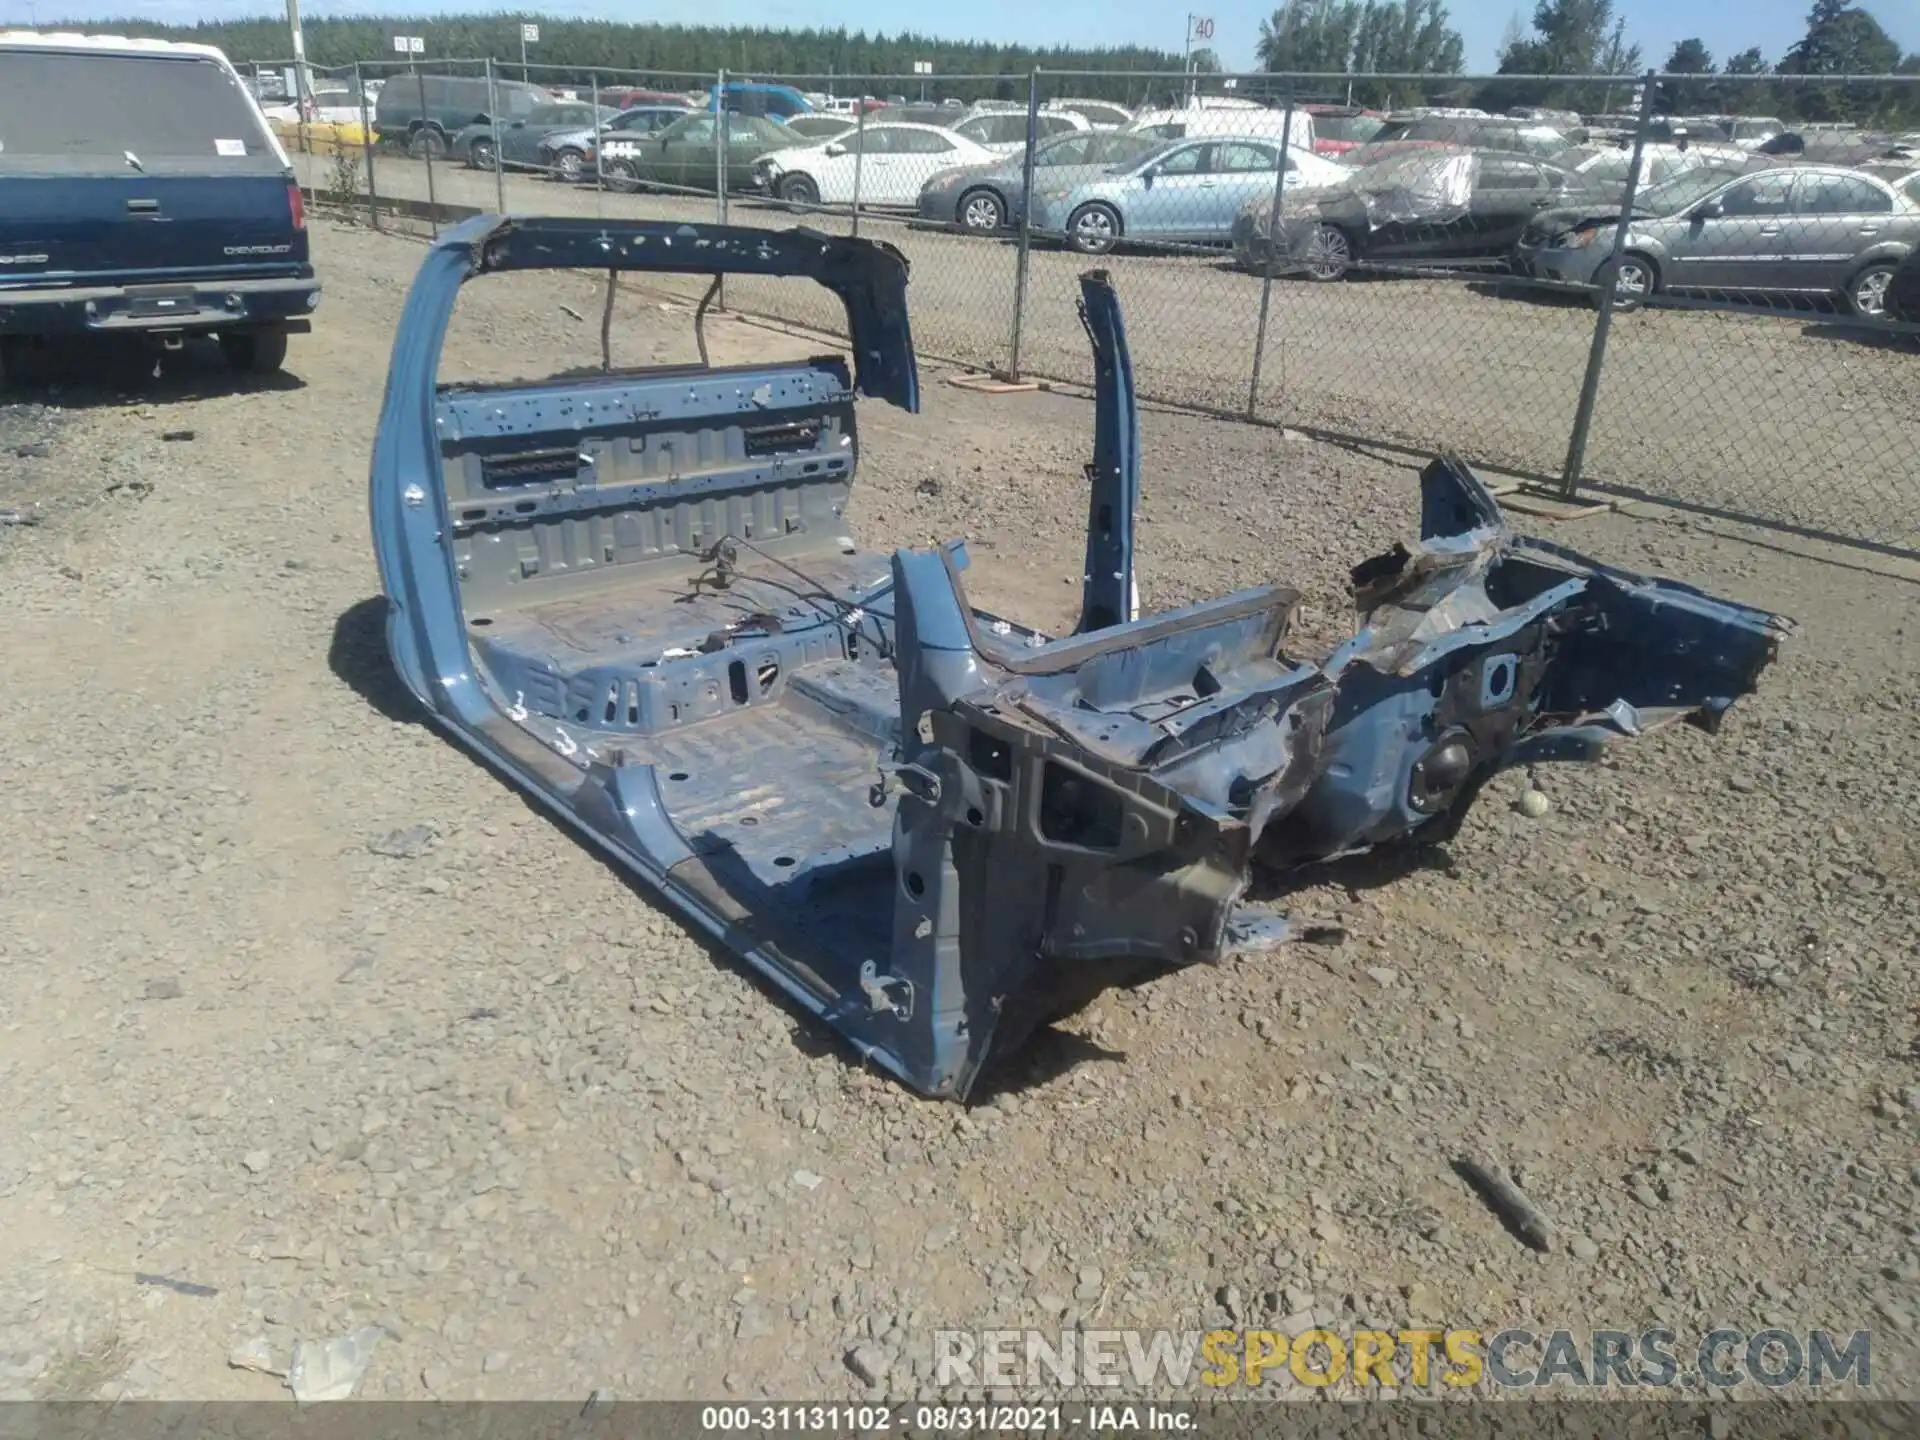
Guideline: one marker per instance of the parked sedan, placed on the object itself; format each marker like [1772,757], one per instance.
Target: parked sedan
[1808,230]
[570,153]
[892,162]
[1457,207]
[1005,131]
[1188,192]
[685,155]
[987,197]
[520,138]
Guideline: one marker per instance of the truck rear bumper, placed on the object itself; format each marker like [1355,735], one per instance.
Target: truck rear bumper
[192,307]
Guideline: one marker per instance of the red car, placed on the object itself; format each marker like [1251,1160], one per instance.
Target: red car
[1340,128]
[625,97]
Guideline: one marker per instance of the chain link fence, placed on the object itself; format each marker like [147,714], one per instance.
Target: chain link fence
[1424,261]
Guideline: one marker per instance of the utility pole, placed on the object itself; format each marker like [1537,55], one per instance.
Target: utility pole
[529,35]
[1186,61]
[303,86]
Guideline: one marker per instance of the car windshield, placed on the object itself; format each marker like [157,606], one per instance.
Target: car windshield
[1095,147]
[1412,170]
[1684,190]
[1353,129]
[699,123]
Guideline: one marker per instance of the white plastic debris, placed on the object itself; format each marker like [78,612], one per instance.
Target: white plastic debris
[331,1370]
[256,1354]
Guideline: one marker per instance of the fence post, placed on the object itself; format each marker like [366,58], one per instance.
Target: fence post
[720,145]
[1266,269]
[433,205]
[599,137]
[859,159]
[1023,256]
[366,145]
[720,173]
[499,162]
[1603,322]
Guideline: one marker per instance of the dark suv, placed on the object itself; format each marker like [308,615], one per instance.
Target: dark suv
[424,112]
[142,195]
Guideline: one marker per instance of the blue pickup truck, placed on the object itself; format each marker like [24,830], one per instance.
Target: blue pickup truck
[142,195]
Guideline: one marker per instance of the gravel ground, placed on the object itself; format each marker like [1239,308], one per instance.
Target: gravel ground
[303,1007]
[1786,418]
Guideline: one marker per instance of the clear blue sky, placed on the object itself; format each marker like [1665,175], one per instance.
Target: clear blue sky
[1773,25]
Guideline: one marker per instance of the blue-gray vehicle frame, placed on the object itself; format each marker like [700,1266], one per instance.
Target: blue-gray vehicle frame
[634,596]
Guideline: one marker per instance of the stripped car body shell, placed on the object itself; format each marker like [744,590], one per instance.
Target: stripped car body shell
[936,829]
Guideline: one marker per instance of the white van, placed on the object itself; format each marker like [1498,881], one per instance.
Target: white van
[1210,122]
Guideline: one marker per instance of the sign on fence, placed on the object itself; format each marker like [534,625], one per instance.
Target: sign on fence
[923,67]
[409,45]
[1199,28]
[529,34]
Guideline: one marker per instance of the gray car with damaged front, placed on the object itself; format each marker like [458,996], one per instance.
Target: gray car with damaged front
[1812,231]
[634,594]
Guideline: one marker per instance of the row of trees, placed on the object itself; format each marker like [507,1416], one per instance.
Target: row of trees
[1360,38]
[580,46]
[1355,38]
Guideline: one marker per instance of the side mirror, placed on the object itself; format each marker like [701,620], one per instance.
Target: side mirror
[1708,210]
[1146,178]
[835,149]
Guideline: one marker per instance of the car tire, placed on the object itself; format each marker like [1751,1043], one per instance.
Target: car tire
[799,190]
[1867,292]
[254,352]
[1093,229]
[570,165]
[1635,278]
[620,175]
[981,211]
[480,155]
[1329,254]
[427,143]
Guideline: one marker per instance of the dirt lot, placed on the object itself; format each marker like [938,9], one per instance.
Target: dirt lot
[1788,418]
[264,1036]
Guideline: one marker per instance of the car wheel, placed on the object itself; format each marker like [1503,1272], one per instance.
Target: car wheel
[1635,278]
[427,143]
[1867,292]
[799,190]
[1093,229]
[480,155]
[1329,254]
[620,175]
[572,165]
[254,352]
[982,210]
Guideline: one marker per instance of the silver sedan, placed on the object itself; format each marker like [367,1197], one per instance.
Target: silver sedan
[1814,231]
